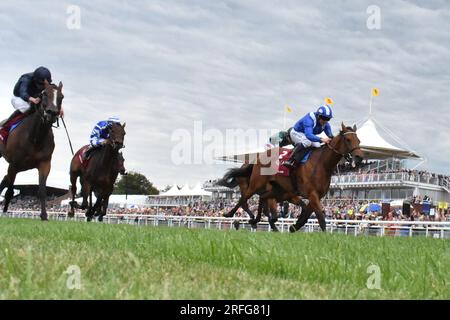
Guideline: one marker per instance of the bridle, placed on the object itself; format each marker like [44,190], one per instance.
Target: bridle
[42,110]
[347,155]
[113,143]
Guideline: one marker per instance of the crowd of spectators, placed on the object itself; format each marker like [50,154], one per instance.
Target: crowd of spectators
[407,174]
[339,209]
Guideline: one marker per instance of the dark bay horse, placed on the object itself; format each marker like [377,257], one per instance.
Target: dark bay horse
[99,175]
[313,178]
[31,144]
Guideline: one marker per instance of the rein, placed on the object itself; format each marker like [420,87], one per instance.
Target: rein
[343,154]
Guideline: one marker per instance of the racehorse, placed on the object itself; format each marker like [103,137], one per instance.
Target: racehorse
[30,145]
[99,175]
[312,178]
[241,177]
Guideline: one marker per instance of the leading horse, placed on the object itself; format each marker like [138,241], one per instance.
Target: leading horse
[31,144]
[99,175]
[312,178]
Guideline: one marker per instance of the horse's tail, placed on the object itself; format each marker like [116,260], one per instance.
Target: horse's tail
[229,179]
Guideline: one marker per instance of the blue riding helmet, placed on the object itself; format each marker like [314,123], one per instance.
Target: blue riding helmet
[325,111]
[41,74]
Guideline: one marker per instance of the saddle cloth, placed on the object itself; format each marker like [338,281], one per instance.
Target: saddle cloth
[80,155]
[285,154]
[8,127]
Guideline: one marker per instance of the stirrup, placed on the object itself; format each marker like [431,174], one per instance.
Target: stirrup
[289,164]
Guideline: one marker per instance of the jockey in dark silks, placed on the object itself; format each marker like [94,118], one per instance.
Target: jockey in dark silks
[100,134]
[27,91]
[305,133]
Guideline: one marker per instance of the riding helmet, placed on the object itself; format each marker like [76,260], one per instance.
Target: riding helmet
[41,74]
[114,119]
[325,111]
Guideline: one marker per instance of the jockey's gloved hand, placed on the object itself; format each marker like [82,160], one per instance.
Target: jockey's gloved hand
[34,100]
[325,140]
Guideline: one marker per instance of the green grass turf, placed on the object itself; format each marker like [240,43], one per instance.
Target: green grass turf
[142,262]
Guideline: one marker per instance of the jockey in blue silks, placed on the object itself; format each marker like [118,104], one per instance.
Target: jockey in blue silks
[100,134]
[305,133]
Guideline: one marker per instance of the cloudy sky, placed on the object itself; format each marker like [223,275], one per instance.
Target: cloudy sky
[163,66]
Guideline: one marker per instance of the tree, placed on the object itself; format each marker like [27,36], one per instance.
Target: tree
[134,183]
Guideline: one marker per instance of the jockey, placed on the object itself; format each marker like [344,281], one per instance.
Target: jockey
[305,133]
[27,91]
[100,134]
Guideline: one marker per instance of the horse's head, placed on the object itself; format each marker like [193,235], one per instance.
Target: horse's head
[117,135]
[121,164]
[347,144]
[51,102]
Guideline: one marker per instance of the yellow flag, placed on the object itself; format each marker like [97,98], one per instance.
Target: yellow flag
[375,92]
[288,109]
[329,101]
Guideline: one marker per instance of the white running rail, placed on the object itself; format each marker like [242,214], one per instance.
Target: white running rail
[435,229]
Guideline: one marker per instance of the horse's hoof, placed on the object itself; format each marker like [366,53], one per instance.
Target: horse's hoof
[275,230]
[89,219]
[292,229]
[228,215]
[100,219]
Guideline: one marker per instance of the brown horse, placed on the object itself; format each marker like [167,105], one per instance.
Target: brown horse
[241,177]
[99,175]
[31,144]
[313,178]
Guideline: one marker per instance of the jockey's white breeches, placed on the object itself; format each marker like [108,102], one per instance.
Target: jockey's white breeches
[299,137]
[20,104]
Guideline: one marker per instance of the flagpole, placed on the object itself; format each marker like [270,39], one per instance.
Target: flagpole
[284,118]
[370,105]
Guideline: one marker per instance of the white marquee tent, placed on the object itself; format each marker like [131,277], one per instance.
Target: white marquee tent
[371,142]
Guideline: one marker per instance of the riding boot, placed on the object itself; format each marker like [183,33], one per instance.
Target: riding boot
[293,162]
[294,159]
[12,116]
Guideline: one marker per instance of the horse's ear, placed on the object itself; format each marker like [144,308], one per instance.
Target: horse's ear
[123,126]
[60,85]
[343,126]
[354,127]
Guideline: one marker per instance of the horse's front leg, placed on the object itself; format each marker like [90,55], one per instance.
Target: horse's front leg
[302,219]
[104,208]
[44,170]
[273,217]
[85,191]
[8,181]
[90,211]
[96,210]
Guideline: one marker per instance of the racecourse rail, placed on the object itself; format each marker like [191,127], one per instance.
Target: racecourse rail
[433,229]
